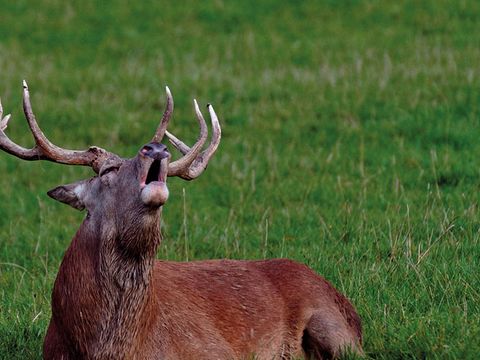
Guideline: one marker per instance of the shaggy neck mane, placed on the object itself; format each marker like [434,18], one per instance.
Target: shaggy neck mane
[111,275]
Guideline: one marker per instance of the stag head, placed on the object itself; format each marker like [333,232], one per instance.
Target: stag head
[123,189]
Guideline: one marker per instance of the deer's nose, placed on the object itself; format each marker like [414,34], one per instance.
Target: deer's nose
[155,151]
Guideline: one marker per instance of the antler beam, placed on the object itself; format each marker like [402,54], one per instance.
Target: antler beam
[44,149]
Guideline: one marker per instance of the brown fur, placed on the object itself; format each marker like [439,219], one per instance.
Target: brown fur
[107,306]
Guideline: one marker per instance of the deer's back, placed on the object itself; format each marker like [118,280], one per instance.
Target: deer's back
[231,308]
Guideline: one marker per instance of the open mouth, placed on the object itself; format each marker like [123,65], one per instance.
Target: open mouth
[157,172]
[154,189]
[153,173]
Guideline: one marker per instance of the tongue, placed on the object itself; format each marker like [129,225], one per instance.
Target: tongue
[154,194]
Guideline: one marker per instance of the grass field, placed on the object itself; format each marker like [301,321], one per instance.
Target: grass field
[351,143]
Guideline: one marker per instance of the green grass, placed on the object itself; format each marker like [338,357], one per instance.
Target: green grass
[351,143]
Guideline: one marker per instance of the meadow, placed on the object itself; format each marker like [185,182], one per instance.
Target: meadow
[351,143]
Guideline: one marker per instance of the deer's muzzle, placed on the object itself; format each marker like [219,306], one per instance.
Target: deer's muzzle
[155,151]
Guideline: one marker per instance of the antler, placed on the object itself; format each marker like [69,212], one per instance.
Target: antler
[44,149]
[167,114]
[192,164]
[188,167]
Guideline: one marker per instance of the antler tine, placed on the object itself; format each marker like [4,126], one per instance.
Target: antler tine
[8,145]
[3,120]
[49,149]
[201,161]
[167,114]
[177,143]
[180,166]
[44,149]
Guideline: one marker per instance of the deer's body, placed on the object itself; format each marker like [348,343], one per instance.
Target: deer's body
[218,309]
[113,300]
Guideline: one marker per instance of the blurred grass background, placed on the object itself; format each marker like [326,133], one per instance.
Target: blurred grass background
[351,142]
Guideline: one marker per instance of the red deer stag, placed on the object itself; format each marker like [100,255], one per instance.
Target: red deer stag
[113,300]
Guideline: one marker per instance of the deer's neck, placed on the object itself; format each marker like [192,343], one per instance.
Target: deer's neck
[103,294]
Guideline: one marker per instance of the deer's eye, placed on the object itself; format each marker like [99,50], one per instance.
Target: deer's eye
[108,170]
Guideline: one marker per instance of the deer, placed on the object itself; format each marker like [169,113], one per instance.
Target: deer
[112,299]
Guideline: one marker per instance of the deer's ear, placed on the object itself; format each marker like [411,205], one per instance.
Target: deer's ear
[71,194]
